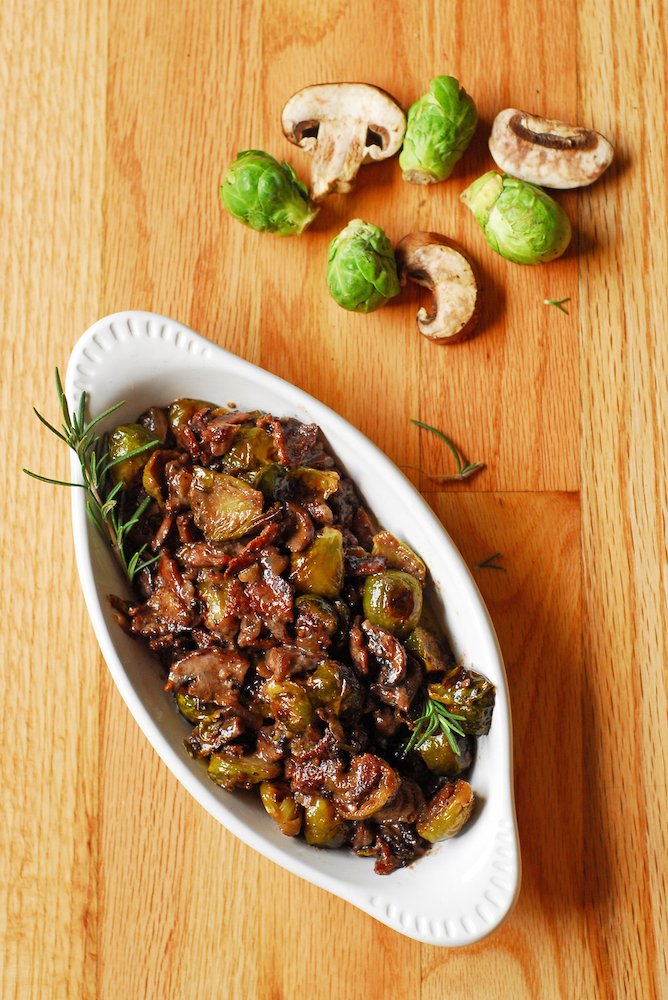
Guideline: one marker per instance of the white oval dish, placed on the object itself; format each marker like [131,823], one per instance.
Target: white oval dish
[463,888]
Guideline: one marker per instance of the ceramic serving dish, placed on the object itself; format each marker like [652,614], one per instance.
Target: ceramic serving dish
[464,887]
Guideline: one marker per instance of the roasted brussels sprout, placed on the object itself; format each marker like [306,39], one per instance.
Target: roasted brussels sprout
[430,649]
[184,409]
[439,129]
[129,448]
[323,827]
[471,696]
[252,448]
[447,812]
[335,686]
[155,421]
[232,771]
[393,600]
[289,703]
[316,622]
[266,195]
[193,709]
[313,482]
[224,507]
[213,732]
[213,590]
[361,269]
[398,555]
[153,476]
[282,808]
[441,759]
[319,568]
[520,221]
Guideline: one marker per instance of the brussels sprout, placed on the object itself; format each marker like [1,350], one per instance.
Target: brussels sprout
[289,704]
[471,696]
[447,812]
[282,808]
[361,269]
[193,709]
[323,827]
[212,733]
[439,129]
[155,420]
[213,590]
[252,448]
[223,506]
[335,686]
[319,568]
[428,648]
[441,759]
[398,555]
[519,220]
[232,771]
[128,448]
[313,482]
[153,476]
[184,409]
[316,622]
[393,600]
[266,195]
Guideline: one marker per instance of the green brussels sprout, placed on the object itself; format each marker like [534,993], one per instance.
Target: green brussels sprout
[319,568]
[393,600]
[428,648]
[184,409]
[447,812]
[335,686]
[232,771]
[224,507]
[361,269]
[252,448]
[398,555]
[520,221]
[282,808]
[439,128]
[193,709]
[323,827]
[289,703]
[470,696]
[128,448]
[266,195]
[441,759]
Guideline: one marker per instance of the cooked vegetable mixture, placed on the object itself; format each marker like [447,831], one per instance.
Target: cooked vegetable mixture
[294,633]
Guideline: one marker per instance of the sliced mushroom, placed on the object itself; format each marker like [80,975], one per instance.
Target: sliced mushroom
[440,265]
[550,153]
[343,125]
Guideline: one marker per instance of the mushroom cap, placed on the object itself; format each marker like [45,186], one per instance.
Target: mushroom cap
[442,266]
[352,103]
[547,152]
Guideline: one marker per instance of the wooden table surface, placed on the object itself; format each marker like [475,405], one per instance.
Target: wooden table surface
[118,121]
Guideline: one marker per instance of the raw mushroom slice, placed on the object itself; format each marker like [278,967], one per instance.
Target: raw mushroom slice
[546,152]
[441,265]
[343,125]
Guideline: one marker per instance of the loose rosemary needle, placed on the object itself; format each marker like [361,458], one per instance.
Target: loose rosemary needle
[491,563]
[105,503]
[464,469]
[558,304]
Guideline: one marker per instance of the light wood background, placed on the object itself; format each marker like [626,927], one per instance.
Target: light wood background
[116,123]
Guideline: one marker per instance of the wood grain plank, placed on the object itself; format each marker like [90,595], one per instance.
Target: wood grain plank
[624,306]
[51,155]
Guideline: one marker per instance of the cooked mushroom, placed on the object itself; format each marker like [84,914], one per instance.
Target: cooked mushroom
[440,265]
[550,153]
[343,125]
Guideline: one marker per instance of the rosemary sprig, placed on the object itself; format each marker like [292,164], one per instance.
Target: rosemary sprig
[435,717]
[558,304]
[464,469]
[490,563]
[105,504]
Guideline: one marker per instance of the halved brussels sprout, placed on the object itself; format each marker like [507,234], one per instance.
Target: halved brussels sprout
[429,648]
[335,686]
[314,482]
[289,704]
[223,506]
[193,709]
[393,600]
[153,476]
[232,771]
[323,827]
[213,590]
[398,555]
[469,695]
[319,568]
[447,812]
[282,808]
[129,448]
[184,409]
[441,759]
[252,448]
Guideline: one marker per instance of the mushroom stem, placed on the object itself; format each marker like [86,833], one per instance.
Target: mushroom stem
[337,158]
